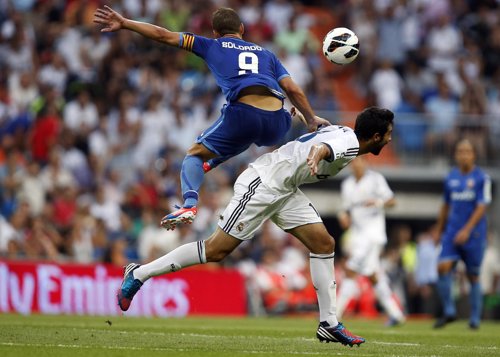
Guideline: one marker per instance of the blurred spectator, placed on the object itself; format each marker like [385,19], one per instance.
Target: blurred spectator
[80,118]
[23,90]
[10,239]
[45,132]
[386,85]
[390,41]
[278,14]
[54,175]
[31,189]
[293,39]
[54,73]
[443,109]
[106,209]
[444,41]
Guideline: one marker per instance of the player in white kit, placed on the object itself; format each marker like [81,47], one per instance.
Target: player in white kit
[269,189]
[365,195]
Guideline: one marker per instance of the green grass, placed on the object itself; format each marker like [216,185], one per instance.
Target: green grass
[93,336]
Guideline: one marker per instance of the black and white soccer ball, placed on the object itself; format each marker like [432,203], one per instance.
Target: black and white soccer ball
[341,46]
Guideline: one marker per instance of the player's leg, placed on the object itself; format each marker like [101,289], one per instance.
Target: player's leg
[218,246]
[355,265]
[386,298]
[348,290]
[369,265]
[472,254]
[321,246]
[299,217]
[444,287]
[447,259]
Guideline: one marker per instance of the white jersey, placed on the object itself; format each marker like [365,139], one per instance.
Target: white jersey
[368,222]
[285,169]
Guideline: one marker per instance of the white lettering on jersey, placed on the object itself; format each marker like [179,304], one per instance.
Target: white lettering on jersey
[463,196]
[240,47]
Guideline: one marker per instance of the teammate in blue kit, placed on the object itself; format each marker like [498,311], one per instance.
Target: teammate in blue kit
[463,228]
[252,80]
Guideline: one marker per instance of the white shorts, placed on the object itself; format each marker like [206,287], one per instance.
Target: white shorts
[253,203]
[364,259]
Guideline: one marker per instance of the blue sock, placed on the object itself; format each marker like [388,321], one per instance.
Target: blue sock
[444,289]
[476,303]
[191,179]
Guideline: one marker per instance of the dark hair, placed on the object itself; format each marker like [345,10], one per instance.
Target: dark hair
[226,21]
[371,121]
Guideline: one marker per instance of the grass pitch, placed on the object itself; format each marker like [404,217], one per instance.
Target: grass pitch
[127,336]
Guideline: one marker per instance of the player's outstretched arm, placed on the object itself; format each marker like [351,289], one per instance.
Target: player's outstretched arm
[316,154]
[299,100]
[113,21]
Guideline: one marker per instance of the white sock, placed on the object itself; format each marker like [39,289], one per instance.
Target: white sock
[348,289]
[181,257]
[385,298]
[323,278]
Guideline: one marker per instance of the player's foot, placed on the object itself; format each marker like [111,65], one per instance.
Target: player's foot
[130,286]
[473,325]
[339,333]
[206,167]
[182,215]
[443,321]
[392,322]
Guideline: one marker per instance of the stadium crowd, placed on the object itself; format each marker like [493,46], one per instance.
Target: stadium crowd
[94,127]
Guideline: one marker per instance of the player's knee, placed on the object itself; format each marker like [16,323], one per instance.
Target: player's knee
[325,245]
[213,254]
[201,151]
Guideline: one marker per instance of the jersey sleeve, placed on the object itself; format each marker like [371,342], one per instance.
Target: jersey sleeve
[347,147]
[279,69]
[199,45]
[483,193]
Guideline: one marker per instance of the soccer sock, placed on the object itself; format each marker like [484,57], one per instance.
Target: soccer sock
[191,179]
[323,278]
[444,290]
[184,256]
[386,299]
[348,290]
[476,302]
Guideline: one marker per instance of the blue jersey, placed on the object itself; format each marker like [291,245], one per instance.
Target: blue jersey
[462,193]
[237,64]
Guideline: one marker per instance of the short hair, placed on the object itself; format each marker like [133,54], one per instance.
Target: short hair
[373,120]
[226,21]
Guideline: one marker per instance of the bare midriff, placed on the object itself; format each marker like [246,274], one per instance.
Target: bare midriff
[260,97]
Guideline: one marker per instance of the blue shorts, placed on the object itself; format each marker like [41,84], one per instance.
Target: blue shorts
[241,125]
[471,252]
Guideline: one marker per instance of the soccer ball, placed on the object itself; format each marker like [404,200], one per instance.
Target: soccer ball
[341,46]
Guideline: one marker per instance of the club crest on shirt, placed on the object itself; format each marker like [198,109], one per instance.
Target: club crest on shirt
[470,183]
[240,227]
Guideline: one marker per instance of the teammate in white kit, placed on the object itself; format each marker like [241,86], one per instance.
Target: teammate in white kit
[269,189]
[365,195]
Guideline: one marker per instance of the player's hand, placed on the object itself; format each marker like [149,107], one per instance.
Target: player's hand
[462,236]
[313,126]
[108,17]
[315,156]
[318,121]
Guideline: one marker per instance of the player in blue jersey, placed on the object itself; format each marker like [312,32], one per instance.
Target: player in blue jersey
[253,81]
[462,227]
